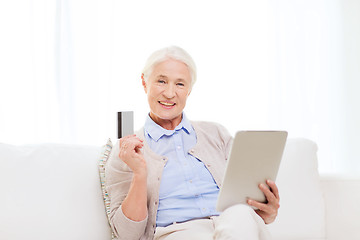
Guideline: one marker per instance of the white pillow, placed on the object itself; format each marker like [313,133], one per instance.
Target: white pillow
[51,191]
[302,211]
[102,164]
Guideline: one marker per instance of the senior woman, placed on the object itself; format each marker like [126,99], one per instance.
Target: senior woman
[164,180]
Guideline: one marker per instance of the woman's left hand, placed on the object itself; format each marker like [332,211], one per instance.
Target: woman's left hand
[267,211]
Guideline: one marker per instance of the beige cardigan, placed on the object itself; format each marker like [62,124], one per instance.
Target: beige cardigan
[212,148]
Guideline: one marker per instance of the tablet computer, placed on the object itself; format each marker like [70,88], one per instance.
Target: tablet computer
[254,157]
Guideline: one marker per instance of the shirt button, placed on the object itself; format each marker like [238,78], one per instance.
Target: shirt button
[190,181]
[178,147]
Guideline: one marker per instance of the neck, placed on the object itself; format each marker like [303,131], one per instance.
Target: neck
[168,124]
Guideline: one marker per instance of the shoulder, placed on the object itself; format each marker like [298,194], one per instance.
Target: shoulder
[211,128]
[213,138]
[212,132]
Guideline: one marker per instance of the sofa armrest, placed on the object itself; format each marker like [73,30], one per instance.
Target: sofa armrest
[342,204]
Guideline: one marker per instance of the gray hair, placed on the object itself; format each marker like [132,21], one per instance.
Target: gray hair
[172,52]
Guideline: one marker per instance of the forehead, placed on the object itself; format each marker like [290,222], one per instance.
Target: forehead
[171,68]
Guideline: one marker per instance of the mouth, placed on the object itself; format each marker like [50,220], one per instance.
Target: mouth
[167,104]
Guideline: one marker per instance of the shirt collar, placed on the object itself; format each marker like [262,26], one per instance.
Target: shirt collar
[155,131]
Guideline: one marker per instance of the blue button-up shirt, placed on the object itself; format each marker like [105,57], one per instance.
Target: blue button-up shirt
[187,189]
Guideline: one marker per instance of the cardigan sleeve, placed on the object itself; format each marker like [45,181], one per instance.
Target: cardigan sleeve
[118,177]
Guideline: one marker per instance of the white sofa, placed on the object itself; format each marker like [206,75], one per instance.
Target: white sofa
[52,192]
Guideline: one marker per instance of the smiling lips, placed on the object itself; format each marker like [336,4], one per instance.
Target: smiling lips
[167,104]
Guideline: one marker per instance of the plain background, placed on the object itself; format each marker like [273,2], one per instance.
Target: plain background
[68,66]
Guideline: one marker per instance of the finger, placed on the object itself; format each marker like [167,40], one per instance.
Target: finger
[264,209]
[131,141]
[270,197]
[262,206]
[131,147]
[136,143]
[274,188]
[129,136]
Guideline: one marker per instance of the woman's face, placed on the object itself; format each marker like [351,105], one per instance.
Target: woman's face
[167,89]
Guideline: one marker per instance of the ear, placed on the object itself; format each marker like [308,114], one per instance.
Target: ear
[143,83]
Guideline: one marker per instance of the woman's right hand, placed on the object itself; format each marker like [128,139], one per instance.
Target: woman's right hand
[134,205]
[130,153]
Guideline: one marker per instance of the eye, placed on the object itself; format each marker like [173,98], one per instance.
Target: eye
[161,81]
[181,84]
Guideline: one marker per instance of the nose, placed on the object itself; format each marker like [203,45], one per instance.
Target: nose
[169,91]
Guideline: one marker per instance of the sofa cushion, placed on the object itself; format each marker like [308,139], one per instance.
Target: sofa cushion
[302,211]
[51,191]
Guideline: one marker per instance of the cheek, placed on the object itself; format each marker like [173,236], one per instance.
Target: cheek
[149,93]
[184,98]
[154,91]
[152,96]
